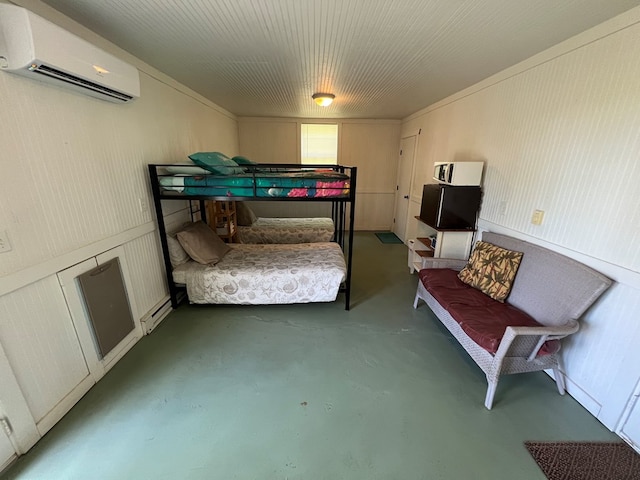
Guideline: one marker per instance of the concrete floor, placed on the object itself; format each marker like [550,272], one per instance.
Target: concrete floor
[308,392]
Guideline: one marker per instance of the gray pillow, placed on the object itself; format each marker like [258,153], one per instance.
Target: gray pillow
[244,215]
[202,244]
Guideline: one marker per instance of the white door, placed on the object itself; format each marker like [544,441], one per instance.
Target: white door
[403,188]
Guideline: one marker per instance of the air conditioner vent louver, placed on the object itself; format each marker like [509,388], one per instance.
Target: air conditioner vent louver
[65,77]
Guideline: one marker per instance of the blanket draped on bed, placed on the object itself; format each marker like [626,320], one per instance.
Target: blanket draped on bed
[287,230]
[267,274]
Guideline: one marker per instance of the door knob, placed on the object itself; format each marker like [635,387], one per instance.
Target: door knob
[406,196]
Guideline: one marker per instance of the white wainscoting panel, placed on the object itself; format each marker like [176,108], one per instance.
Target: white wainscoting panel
[608,334]
[40,341]
[7,451]
[146,271]
[374,211]
[630,424]
[13,407]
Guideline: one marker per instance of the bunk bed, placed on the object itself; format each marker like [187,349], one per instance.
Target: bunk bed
[254,229]
[264,182]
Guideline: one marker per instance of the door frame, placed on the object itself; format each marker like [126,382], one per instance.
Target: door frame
[411,133]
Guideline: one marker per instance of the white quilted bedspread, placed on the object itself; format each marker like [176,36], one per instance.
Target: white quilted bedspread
[267,274]
[287,230]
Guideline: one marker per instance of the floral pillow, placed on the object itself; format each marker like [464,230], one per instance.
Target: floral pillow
[492,270]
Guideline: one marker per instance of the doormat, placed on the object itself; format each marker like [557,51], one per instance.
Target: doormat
[388,237]
[586,460]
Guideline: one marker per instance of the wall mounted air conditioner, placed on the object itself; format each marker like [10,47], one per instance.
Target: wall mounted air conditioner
[36,48]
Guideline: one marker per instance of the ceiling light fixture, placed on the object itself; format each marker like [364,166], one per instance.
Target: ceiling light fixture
[323,99]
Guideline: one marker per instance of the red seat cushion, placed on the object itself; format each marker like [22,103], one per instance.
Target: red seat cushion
[483,319]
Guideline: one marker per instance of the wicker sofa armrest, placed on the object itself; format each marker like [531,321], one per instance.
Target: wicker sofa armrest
[452,263]
[541,334]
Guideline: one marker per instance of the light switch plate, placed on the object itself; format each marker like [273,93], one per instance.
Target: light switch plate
[143,204]
[5,244]
[537,217]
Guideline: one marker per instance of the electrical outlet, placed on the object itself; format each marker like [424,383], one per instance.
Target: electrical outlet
[5,244]
[502,207]
[143,204]
[537,217]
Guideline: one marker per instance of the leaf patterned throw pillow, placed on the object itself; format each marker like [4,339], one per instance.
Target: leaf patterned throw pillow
[491,269]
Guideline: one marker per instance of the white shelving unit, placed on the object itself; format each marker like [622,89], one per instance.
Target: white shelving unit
[448,244]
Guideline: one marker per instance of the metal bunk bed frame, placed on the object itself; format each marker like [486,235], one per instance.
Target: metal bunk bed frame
[338,213]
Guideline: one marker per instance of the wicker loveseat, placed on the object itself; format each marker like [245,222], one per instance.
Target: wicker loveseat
[548,296]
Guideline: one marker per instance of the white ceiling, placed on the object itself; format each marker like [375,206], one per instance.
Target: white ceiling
[381,58]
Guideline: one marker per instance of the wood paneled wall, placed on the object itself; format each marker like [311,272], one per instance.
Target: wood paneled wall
[370,145]
[559,133]
[75,184]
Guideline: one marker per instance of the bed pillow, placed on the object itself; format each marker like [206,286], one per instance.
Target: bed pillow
[492,270]
[186,169]
[175,183]
[244,215]
[202,244]
[177,255]
[216,162]
[240,160]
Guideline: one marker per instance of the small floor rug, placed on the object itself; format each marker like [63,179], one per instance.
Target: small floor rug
[586,460]
[388,237]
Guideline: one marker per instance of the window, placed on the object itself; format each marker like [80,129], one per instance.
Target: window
[319,144]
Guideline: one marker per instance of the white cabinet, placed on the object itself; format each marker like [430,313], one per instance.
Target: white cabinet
[18,431]
[7,452]
[42,349]
[96,364]
[630,430]
[432,242]
[48,356]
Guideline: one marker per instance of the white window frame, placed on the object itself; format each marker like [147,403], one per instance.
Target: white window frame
[323,160]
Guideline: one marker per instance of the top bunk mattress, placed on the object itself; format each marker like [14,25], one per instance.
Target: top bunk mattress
[263,182]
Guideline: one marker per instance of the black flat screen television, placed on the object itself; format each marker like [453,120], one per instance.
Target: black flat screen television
[450,207]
